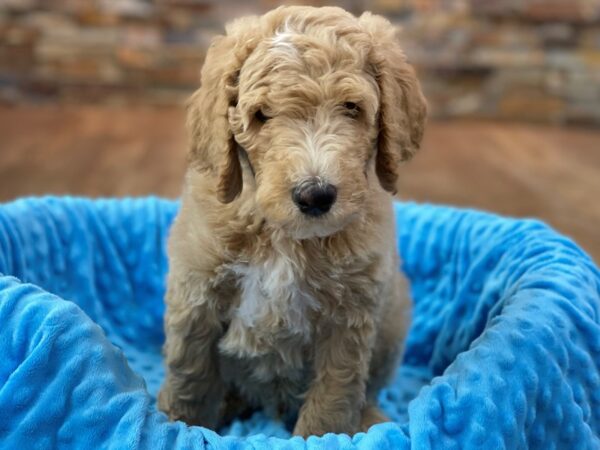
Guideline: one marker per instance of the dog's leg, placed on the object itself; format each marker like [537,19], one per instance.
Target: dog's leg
[336,398]
[193,390]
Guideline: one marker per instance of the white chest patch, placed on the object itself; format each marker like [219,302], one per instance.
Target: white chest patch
[274,306]
[272,293]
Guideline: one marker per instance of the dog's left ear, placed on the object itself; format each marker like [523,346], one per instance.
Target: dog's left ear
[402,109]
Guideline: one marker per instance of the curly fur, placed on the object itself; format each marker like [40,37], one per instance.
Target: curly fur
[268,308]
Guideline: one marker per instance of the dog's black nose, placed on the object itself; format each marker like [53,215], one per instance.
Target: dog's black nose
[314,198]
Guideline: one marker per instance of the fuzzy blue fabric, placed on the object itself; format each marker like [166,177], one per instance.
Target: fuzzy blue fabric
[504,350]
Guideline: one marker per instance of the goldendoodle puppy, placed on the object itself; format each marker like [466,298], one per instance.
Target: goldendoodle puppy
[284,291]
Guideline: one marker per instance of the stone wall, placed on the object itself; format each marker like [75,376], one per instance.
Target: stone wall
[530,59]
[536,60]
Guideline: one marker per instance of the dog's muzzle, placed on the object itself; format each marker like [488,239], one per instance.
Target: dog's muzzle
[313,197]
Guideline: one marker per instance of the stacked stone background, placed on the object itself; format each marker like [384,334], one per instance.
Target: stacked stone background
[531,59]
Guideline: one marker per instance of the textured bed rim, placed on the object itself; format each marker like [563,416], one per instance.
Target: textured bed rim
[506,319]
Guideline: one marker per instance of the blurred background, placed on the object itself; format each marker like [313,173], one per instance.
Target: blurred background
[91,94]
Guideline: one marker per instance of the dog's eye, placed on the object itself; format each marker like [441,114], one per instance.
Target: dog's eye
[352,109]
[260,116]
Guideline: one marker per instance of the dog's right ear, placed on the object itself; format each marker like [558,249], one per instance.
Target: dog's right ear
[212,147]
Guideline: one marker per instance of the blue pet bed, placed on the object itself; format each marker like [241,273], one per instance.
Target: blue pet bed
[504,350]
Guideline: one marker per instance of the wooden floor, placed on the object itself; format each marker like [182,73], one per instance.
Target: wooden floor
[514,169]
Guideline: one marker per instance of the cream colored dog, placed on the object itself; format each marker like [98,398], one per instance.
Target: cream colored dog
[284,291]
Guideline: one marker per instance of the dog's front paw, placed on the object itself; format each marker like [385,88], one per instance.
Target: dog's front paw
[190,412]
[311,424]
[305,429]
[371,415]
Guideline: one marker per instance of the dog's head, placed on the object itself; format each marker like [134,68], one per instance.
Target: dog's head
[316,105]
